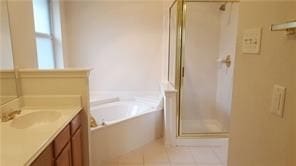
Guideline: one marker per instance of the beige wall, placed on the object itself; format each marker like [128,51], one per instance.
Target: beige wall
[121,40]
[6,59]
[22,33]
[257,137]
[166,9]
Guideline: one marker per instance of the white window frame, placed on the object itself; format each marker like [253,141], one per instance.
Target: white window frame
[49,36]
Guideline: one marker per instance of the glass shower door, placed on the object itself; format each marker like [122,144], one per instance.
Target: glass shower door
[206,85]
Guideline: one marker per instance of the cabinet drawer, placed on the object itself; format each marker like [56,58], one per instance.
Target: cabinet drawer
[61,140]
[75,123]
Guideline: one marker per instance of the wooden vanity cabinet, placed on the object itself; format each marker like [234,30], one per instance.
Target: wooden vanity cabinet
[65,158]
[61,141]
[76,141]
[45,158]
[62,148]
[66,149]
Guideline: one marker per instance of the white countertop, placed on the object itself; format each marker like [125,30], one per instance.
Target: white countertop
[20,147]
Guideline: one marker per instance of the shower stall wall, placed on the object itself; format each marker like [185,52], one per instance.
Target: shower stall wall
[201,55]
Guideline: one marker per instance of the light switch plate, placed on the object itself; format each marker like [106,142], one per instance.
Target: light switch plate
[252,41]
[278,100]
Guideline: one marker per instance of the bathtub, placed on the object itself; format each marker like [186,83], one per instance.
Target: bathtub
[124,126]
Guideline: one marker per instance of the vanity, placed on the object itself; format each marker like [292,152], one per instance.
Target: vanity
[44,113]
[47,135]
[65,149]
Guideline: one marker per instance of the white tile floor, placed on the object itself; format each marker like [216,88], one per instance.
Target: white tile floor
[156,154]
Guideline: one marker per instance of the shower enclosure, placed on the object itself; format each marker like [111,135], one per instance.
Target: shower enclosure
[202,42]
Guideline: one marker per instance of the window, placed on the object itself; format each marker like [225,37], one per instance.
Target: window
[44,37]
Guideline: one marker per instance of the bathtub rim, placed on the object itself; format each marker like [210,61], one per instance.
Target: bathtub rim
[152,110]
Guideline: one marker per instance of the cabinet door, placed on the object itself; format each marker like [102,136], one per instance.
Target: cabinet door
[45,158]
[61,141]
[65,158]
[75,124]
[77,148]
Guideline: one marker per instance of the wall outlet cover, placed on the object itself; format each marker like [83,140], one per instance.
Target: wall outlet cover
[278,100]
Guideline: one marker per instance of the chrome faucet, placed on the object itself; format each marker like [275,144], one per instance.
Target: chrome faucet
[9,115]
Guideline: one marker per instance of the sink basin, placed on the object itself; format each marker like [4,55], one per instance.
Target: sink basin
[35,119]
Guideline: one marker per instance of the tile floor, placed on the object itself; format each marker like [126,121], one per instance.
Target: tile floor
[156,154]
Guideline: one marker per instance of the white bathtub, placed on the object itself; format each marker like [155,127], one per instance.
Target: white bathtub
[124,126]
